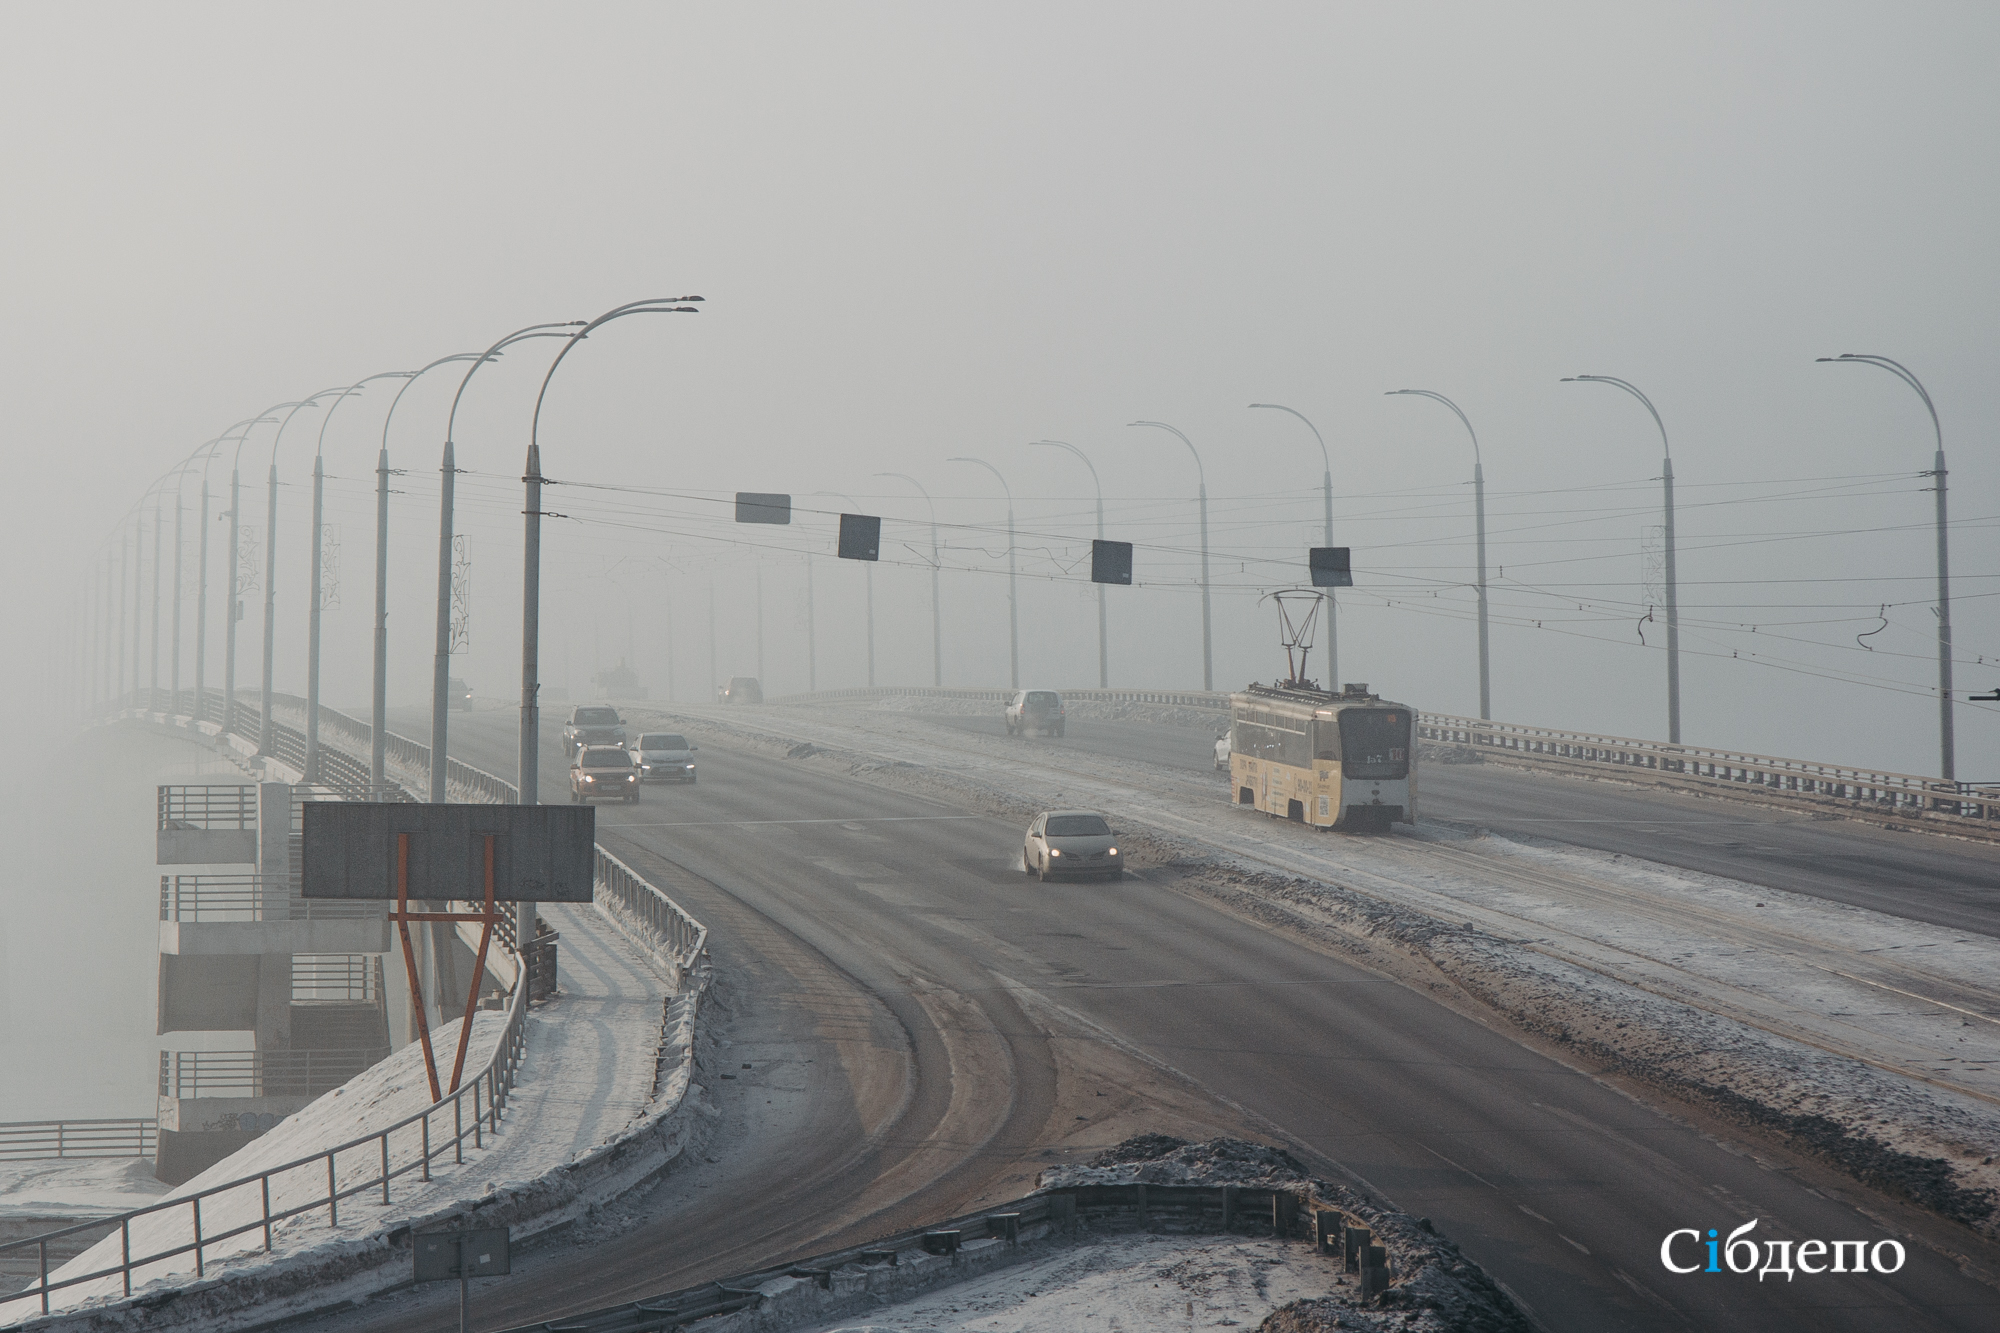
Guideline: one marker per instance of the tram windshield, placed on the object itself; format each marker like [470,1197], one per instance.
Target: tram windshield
[1375,743]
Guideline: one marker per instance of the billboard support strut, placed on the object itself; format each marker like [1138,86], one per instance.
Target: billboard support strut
[487,917]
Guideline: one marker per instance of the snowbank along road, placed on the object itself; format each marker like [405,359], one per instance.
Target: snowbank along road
[917,1028]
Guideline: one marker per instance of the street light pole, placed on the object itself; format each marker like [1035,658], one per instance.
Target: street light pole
[153,676]
[378,732]
[937,632]
[1103,643]
[1673,604]
[1013,613]
[528,773]
[1947,756]
[1326,495]
[868,581]
[448,473]
[1479,509]
[1207,656]
[318,557]
[267,727]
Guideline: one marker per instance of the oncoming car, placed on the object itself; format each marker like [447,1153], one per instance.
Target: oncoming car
[663,756]
[603,772]
[1071,842]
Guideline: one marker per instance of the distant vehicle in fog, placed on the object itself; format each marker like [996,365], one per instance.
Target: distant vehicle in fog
[603,772]
[592,724]
[740,690]
[1071,842]
[460,694]
[1035,711]
[663,756]
[1222,753]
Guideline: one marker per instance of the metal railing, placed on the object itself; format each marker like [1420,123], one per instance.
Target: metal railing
[337,978]
[78,1138]
[229,806]
[409,1145]
[1172,698]
[288,1073]
[242,898]
[678,934]
[1855,790]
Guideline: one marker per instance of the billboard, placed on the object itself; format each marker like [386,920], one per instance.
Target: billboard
[541,853]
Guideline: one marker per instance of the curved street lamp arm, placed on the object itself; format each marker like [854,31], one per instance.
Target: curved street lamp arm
[1902,372]
[1065,444]
[661,305]
[1426,393]
[411,377]
[313,401]
[1634,391]
[1324,458]
[531,331]
[244,438]
[904,476]
[319,445]
[996,475]
[1199,471]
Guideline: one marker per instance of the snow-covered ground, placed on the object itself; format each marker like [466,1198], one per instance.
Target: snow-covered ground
[1826,1017]
[77,1187]
[1126,1281]
[586,1082]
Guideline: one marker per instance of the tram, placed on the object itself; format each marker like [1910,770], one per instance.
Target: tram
[1343,761]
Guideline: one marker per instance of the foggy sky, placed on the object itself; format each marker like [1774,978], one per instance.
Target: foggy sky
[931,231]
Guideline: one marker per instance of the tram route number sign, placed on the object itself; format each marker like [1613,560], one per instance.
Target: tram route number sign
[860,537]
[541,853]
[1329,567]
[1110,562]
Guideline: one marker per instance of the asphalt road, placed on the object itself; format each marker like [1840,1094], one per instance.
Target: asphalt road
[925,1021]
[1948,882]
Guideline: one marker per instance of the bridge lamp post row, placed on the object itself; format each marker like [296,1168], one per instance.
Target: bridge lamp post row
[1326,492]
[1207,653]
[1479,513]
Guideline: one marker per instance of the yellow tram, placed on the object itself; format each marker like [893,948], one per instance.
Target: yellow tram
[1343,761]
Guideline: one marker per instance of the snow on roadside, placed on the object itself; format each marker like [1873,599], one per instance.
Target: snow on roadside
[586,1082]
[1773,1008]
[77,1186]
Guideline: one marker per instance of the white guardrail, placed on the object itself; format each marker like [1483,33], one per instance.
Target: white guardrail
[409,1145]
[1972,809]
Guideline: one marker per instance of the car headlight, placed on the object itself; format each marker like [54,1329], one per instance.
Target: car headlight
[1114,851]
[588,778]
[631,777]
[1054,852]
[690,768]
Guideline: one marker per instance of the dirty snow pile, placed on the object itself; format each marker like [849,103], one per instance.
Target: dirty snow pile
[1435,1287]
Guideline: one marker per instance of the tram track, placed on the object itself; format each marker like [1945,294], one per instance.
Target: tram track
[1718,932]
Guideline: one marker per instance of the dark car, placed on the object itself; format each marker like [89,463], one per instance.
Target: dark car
[592,724]
[1071,842]
[1035,711]
[603,772]
[740,690]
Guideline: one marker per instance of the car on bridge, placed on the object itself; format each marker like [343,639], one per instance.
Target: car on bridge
[1222,753]
[592,724]
[460,694]
[1039,711]
[740,690]
[1071,842]
[603,772]
[663,756]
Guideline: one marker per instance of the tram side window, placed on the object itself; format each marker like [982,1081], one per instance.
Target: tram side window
[1271,743]
[1375,743]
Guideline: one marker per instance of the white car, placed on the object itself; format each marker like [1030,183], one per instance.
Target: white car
[663,756]
[1071,842]
[1222,753]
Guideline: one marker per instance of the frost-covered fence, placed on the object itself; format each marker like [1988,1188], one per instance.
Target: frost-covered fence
[78,1138]
[213,1222]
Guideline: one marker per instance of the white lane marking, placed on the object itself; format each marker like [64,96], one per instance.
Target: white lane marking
[740,823]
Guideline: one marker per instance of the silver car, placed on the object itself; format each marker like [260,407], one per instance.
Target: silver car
[663,756]
[1071,842]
